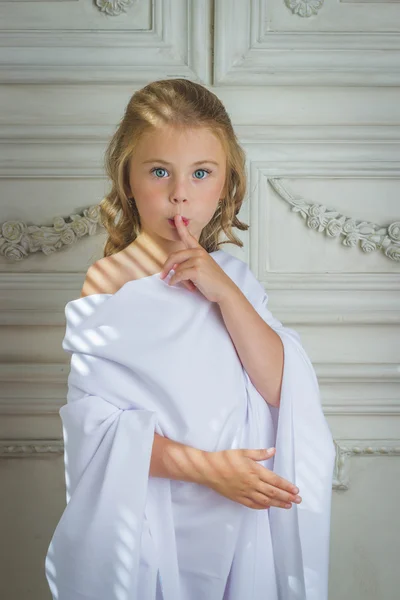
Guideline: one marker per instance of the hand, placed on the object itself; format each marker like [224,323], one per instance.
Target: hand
[196,268]
[236,475]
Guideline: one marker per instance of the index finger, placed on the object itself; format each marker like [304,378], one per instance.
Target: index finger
[272,478]
[184,233]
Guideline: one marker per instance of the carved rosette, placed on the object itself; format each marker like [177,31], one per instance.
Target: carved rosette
[18,240]
[113,8]
[304,8]
[368,235]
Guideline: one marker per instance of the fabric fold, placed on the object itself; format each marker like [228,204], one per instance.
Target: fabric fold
[305,455]
[158,358]
[102,522]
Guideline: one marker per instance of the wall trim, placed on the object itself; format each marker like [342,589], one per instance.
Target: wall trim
[348,448]
[345,450]
[168,49]
[31,448]
[336,299]
[256,55]
[328,374]
[247,134]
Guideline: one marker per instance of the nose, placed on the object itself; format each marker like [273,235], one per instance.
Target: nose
[178,193]
[178,204]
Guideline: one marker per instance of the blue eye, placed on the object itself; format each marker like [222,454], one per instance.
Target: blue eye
[157,169]
[200,170]
[162,169]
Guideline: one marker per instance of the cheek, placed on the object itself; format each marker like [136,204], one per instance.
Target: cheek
[151,205]
[147,194]
[213,192]
[218,186]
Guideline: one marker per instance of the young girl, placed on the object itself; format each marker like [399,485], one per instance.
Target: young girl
[192,413]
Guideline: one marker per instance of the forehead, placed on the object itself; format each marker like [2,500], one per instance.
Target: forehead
[169,141]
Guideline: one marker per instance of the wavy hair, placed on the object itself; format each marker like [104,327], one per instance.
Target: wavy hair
[180,103]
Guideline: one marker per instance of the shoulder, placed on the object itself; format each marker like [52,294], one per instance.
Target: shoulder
[102,277]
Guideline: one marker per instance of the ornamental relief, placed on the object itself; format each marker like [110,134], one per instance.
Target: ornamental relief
[345,450]
[368,236]
[113,8]
[18,240]
[304,8]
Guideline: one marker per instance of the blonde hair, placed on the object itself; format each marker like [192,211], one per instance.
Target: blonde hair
[181,103]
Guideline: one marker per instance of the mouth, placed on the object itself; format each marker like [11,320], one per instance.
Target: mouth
[184,221]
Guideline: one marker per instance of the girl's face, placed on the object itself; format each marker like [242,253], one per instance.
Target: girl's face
[176,172]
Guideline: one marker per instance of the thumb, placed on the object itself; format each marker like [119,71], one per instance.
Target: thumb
[262,454]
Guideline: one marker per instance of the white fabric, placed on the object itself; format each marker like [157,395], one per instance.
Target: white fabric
[154,357]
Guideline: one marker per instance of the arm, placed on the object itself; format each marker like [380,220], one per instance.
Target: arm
[259,347]
[173,460]
[231,473]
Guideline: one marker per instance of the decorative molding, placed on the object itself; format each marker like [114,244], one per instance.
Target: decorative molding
[370,236]
[255,54]
[248,134]
[357,372]
[327,282]
[304,8]
[113,8]
[345,407]
[34,373]
[18,240]
[74,150]
[345,449]
[333,299]
[291,315]
[24,407]
[30,448]
[167,47]
[326,372]
[350,407]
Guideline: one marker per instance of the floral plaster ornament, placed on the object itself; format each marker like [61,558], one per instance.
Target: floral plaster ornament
[18,240]
[370,236]
[304,8]
[113,8]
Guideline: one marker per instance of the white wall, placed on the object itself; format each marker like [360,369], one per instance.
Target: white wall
[315,101]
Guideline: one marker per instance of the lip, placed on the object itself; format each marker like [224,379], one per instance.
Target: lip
[184,220]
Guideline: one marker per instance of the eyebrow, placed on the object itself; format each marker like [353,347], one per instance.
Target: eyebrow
[199,162]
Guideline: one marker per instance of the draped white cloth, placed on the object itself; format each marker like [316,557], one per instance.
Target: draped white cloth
[158,358]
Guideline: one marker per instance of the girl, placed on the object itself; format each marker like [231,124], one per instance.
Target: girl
[180,380]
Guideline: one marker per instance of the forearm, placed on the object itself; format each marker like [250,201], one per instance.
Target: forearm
[172,460]
[259,347]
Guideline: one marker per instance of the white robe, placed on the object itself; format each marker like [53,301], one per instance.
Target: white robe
[158,358]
